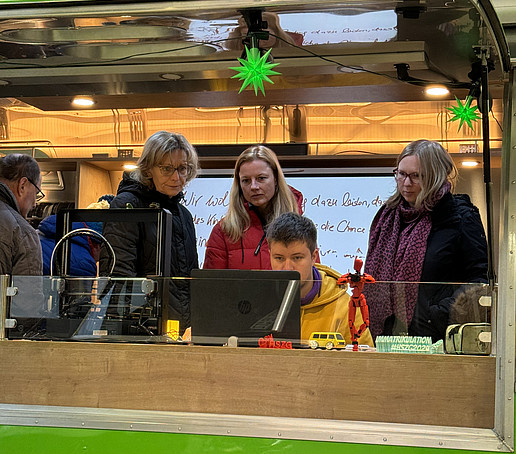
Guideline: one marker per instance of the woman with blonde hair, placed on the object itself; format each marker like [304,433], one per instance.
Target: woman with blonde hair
[259,194]
[424,234]
[168,162]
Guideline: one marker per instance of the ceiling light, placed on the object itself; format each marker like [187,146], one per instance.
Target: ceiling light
[470,163]
[171,76]
[83,101]
[130,166]
[349,69]
[437,90]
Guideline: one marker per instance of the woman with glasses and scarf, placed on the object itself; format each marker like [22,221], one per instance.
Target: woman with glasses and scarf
[423,233]
[168,162]
[259,194]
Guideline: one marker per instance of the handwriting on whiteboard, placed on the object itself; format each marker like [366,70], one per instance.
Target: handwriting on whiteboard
[342,208]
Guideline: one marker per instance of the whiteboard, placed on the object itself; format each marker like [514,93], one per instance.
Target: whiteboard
[342,208]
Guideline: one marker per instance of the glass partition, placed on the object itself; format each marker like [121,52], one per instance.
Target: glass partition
[262,309]
[70,308]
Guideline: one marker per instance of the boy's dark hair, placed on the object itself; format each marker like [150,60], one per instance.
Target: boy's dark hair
[15,166]
[290,227]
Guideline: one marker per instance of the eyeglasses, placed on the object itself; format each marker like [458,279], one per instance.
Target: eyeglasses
[401,176]
[39,195]
[168,171]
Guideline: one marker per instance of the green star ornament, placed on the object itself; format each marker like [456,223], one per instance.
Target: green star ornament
[464,112]
[254,70]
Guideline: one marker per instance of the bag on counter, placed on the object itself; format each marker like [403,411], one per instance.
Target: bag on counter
[468,339]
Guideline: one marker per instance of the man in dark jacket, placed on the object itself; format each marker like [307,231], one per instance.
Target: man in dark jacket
[20,250]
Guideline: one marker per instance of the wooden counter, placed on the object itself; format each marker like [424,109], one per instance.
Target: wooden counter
[386,387]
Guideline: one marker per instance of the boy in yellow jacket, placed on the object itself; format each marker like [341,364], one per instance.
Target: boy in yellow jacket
[292,240]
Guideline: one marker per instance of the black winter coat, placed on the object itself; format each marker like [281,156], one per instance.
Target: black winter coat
[456,252]
[135,244]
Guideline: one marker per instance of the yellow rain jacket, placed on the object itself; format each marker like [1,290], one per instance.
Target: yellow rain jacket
[329,310]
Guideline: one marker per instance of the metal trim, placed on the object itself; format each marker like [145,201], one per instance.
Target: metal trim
[505,333]
[364,432]
[28,11]
[4,287]
[492,21]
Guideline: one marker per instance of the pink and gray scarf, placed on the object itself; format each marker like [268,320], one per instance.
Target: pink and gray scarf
[397,248]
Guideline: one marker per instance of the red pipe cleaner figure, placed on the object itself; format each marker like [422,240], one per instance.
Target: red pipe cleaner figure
[357,281]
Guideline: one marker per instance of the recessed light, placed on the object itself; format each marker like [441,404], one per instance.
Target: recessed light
[83,101]
[171,76]
[437,90]
[470,163]
[349,69]
[130,166]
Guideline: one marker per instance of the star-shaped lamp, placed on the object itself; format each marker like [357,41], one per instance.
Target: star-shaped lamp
[464,112]
[254,70]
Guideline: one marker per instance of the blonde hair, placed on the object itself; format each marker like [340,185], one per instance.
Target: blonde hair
[154,152]
[237,220]
[435,168]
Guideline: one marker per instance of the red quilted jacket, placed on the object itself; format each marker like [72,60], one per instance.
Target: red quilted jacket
[251,252]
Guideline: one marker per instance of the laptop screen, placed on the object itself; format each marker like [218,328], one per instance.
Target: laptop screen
[248,304]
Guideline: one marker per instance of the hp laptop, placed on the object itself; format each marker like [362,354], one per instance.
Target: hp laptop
[248,304]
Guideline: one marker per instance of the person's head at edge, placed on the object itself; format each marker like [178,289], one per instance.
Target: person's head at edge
[292,242]
[422,169]
[258,180]
[21,174]
[168,162]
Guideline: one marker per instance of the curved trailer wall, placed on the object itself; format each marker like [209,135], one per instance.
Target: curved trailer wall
[30,403]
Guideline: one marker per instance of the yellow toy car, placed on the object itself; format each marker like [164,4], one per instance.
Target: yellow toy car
[326,339]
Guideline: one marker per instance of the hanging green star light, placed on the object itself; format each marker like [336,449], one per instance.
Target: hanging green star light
[464,112]
[255,69]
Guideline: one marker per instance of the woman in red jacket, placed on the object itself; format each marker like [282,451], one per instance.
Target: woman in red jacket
[258,195]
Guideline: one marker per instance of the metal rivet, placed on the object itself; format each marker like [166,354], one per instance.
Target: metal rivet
[82,424]
[131,426]
[331,437]
[279,434]
[36,422]
[441,443]
[179,428]
[384,438]
[509,398]
[510,361]
[229,431]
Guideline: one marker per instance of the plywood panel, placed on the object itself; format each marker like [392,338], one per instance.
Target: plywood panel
[93,183]
[115,177]
[419,389]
